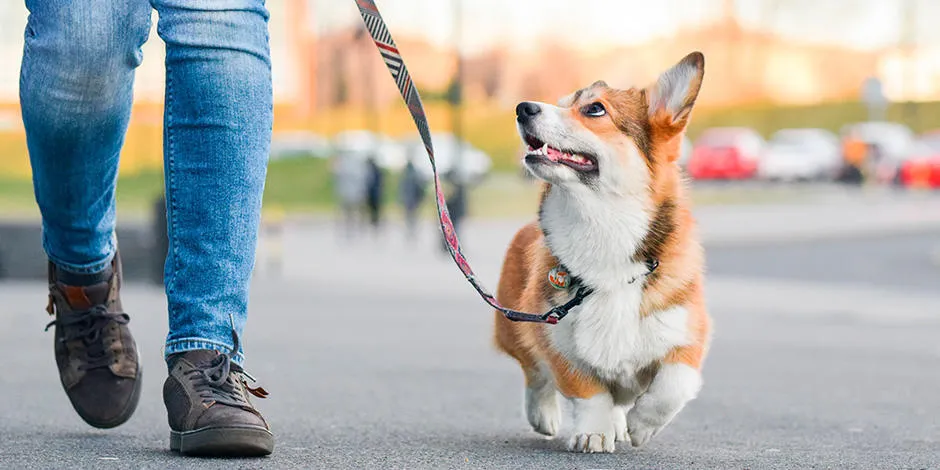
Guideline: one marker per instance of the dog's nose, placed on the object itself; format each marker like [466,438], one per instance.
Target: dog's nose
[527,110]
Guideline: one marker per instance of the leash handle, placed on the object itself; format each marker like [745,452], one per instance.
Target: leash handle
[396,65]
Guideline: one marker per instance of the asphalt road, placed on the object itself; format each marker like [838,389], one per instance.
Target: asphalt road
[909,261]
[825,356]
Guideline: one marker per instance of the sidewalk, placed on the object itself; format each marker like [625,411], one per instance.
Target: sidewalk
[317,254]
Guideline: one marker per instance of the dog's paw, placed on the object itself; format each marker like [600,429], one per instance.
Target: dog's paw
[589,443]
[640,430]
[620,425]
[543,411]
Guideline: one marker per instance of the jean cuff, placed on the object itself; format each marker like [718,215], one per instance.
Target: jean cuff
[90,268]
[192,344]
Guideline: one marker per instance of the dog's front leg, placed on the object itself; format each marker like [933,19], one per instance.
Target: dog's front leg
[593,408]
[593,424]
[674,385]
[625,393]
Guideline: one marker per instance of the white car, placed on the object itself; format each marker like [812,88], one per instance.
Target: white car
[803,154]
[894,143]
[685,151]
[300,144]
[389,154]
[893,139]
[473,163]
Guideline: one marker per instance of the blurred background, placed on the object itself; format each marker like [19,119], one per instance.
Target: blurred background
[814,161]
[801,98]
[821,92]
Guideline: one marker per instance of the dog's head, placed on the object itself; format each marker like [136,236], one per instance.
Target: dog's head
[600,139]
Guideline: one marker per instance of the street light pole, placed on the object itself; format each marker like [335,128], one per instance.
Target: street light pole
[368,76]
[457,86]
[459,197]
[908,48]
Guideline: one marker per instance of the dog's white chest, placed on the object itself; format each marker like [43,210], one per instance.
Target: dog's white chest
[607,335]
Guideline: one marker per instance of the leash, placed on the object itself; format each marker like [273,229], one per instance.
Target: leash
[396,65]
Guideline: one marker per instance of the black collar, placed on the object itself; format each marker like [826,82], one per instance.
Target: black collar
[559,312]
[651,265]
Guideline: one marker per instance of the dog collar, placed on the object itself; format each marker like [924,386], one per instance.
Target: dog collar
[560,277]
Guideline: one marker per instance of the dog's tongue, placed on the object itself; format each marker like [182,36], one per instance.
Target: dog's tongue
[553,154]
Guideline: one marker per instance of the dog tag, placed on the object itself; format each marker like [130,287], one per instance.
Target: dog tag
[559,278]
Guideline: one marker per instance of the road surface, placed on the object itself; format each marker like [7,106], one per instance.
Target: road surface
[377,355]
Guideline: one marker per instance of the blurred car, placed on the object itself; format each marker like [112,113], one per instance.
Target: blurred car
[472,166]
[801,154]
[922,167]
[300,144]
[891,142]
[726,153]
[389,154]
[685,151]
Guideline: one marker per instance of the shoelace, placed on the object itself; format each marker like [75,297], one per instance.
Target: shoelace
[220,380]
[89,325]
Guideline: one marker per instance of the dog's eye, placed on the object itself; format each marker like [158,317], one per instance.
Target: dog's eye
[594,110]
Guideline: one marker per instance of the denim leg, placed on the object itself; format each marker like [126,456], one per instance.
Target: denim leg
[217,136]
[76,85]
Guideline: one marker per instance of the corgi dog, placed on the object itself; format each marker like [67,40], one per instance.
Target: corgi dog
[614,218]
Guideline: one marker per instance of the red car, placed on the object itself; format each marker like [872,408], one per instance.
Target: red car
[726,153]
[922,168]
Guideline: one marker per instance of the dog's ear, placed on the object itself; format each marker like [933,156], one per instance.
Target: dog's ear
[671,97]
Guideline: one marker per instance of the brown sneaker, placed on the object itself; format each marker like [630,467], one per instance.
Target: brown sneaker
[207,406]
[94,350]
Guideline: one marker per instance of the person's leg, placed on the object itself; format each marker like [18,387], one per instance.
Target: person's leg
[76,90]
[217,137]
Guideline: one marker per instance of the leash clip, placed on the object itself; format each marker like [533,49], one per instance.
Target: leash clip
[554,315]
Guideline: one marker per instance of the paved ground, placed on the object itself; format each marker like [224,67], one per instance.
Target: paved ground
[377,356]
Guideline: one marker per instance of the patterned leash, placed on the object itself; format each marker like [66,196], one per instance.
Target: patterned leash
[383,40]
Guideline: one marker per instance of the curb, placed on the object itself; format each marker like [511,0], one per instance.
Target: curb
[23,258]
[811,236]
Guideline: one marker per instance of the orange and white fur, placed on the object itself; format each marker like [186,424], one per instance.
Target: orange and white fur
[629,358]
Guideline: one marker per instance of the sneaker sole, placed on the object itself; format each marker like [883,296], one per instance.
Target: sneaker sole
[223,442]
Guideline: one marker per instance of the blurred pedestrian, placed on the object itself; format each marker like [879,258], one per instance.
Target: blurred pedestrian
[412,189]
[456,203]
[375,188]
[272,236]
[854,152]
[873,162]
[349,176]
[76,96]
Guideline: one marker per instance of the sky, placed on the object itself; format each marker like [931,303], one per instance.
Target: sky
[863,24]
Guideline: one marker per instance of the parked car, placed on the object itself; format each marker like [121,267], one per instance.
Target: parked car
[473,165]
[891,143]
[801,154]
[389,154]
[299,144]
[726,153]
[922,167]
[685,152]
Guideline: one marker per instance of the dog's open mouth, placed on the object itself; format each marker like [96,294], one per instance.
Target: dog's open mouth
[539,149]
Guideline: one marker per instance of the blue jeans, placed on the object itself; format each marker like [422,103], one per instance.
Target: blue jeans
[76,88]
